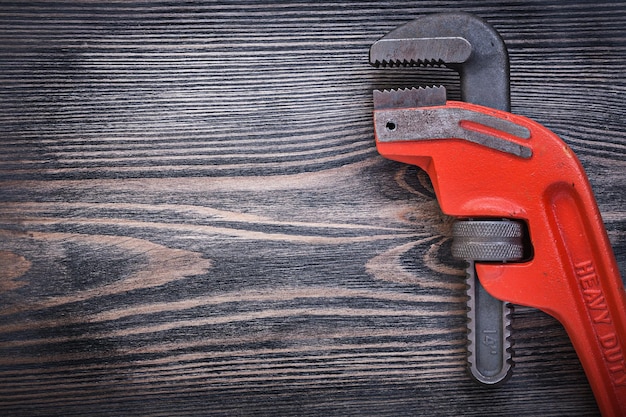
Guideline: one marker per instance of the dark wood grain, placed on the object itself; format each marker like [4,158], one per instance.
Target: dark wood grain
[194,219]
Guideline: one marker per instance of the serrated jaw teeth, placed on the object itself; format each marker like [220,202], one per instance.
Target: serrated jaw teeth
[420,51]
[409,63]
[409,97]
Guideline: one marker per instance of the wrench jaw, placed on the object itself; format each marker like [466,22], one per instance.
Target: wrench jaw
[460,41]
[436,51]
[409,98]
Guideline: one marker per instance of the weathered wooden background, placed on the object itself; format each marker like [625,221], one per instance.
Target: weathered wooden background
[194,219]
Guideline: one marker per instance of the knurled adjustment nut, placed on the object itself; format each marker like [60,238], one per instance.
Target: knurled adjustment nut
[488,240]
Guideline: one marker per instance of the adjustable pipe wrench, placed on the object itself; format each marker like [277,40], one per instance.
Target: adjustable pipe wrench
[489,164]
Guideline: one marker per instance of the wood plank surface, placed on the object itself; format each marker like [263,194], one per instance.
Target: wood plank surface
[194,219]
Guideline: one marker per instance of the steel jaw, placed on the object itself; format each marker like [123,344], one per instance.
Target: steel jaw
[460,41]
[470,46]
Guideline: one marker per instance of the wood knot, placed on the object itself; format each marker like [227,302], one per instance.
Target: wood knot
[13,267]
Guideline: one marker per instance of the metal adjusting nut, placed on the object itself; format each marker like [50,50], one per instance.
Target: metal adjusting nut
[488,240]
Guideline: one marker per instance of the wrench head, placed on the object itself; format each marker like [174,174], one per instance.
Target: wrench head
[460,41]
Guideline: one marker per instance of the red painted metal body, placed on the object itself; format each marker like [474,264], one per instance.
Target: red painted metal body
[572,274]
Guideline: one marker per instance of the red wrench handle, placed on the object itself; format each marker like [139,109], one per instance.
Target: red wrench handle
[573,276]
[535,177]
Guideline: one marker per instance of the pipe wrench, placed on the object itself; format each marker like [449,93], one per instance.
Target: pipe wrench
[527,218]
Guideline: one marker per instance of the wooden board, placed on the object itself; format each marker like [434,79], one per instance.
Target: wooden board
[194,219]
